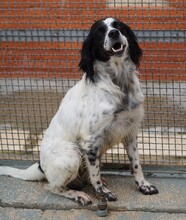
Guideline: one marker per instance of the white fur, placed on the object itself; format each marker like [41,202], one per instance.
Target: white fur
[30,174]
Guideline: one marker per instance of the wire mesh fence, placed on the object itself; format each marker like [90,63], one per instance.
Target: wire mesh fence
[40,43]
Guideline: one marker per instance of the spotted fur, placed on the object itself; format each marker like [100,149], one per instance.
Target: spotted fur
[103,109]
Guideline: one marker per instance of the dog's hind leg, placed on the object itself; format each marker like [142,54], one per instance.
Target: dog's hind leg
[60,172]
[144,186]
[58,185]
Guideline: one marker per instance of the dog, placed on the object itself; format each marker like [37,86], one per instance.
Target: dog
[103,109]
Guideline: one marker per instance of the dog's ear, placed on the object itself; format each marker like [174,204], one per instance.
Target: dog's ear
[87,59]
[134,48]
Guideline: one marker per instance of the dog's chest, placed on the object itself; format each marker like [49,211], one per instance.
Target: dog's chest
[112,116]
[124,114]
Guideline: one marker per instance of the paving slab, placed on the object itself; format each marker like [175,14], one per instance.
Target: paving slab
[34,195]
[172,196]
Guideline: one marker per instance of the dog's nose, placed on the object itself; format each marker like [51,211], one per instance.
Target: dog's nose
[114,34]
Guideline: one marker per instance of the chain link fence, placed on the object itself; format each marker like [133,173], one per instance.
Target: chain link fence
[39,49]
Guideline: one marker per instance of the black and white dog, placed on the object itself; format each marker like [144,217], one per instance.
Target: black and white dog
[103,109]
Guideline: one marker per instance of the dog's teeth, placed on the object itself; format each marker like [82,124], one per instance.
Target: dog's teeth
[114,50]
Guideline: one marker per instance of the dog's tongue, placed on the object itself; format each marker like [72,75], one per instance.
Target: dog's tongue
[117,47]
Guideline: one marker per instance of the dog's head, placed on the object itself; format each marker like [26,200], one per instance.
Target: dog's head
[107,38]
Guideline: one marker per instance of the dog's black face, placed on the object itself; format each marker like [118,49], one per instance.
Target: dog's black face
[107,38]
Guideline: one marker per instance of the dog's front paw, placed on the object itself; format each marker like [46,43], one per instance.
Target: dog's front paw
[103,191]
[148,189]
[109,195]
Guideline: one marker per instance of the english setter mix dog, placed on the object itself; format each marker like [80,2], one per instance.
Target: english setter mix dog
[103,109]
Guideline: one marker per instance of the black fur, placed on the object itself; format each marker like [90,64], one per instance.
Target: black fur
[39,166]
[92,49]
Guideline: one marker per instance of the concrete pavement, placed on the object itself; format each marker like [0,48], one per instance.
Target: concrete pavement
[30,200]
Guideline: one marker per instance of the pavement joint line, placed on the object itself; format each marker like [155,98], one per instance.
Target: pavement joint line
[173,211]
[42,208]
[92,208]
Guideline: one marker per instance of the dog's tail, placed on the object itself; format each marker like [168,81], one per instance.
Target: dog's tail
[32,173]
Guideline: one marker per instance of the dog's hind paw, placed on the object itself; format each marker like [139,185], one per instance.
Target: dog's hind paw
[83,199]
[148,189]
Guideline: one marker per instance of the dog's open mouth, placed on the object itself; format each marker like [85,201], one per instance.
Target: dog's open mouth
[118,48]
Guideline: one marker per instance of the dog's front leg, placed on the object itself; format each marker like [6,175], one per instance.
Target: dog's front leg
[93,165]
[144,186]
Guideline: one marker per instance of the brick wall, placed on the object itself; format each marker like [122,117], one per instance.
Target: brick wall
[25,52]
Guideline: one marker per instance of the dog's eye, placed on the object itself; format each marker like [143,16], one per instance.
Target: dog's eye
[116,25]
[101,29]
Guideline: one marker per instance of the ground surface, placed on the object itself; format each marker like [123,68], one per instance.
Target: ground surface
[28,200]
